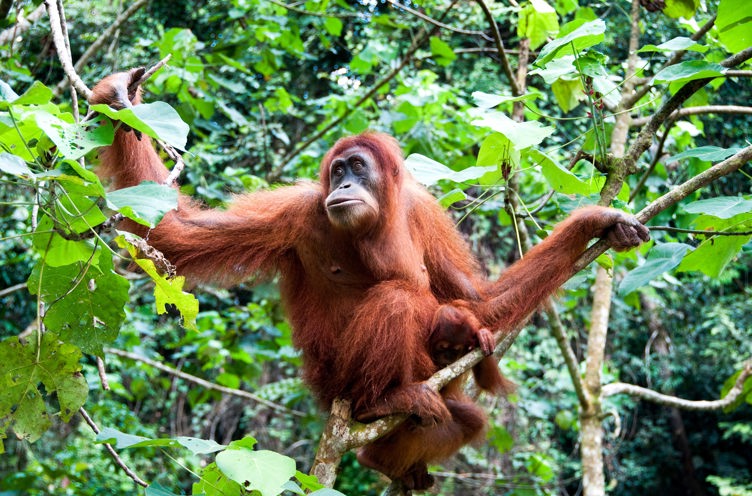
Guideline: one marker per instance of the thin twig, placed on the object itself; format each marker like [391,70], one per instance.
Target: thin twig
[102,374]
[699,231]
[119,461]
[440,24]
[12,289]
[505,65]
[204,383]
[148,73]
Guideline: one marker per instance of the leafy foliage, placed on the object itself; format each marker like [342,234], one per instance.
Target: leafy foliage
[249,82]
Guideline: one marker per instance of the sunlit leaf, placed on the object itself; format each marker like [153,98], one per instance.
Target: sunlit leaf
[576,35]
[734,24]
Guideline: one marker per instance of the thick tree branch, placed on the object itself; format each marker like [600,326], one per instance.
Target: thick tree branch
[672,401]
[204,383]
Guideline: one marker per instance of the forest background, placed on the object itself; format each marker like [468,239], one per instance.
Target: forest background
[513,113]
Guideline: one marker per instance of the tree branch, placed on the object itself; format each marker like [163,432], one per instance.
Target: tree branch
[119,461]
[62,54]
[22,25]
[437,23]
[731,164]
[675,58]
[105,37]
[703,109]
[505,65]
[204,383]
[662,399]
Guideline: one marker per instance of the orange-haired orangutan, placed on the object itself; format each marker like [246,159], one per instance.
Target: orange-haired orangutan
[366,256]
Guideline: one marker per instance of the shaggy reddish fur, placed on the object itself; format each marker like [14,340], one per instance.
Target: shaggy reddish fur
[361,305]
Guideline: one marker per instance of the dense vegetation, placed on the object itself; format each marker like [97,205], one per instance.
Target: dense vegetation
[266,88]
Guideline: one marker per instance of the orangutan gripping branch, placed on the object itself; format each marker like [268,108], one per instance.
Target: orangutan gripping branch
[366,257]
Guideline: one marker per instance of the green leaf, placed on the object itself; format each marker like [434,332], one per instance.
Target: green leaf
[166,290]
[500,438]
[734,24]
[681,8]
[214,482]
[558,177]
[37,94]
[452,197]
[85,303]
[568,93]
[73,140]
[23,366]
[429,172]
[118,439]
[157,490]
[497,151]
[577,35]
[713,255]
[723,207]
[661,258]
[442,52]
[521,134]
[541,466]
[200,446]
[156,119]
[488,100]
[538,22]
[146,203]
[688,71]
[674,45]
[262,471]
[333,26]
[15,166]
[706,153]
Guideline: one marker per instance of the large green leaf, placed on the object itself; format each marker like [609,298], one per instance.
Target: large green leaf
[521,134]
[734,24]
[146,203]
[73,140]
[538,21]
[262,471]
[442,52]
[706,153]
[661,258]
[429,172]
[560,179]
[723,207]
[85,303]
[713,255]
[688,71]
[576,35]
[23,366]
[681,8]
[15,166]
[156,119]
[676,44]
